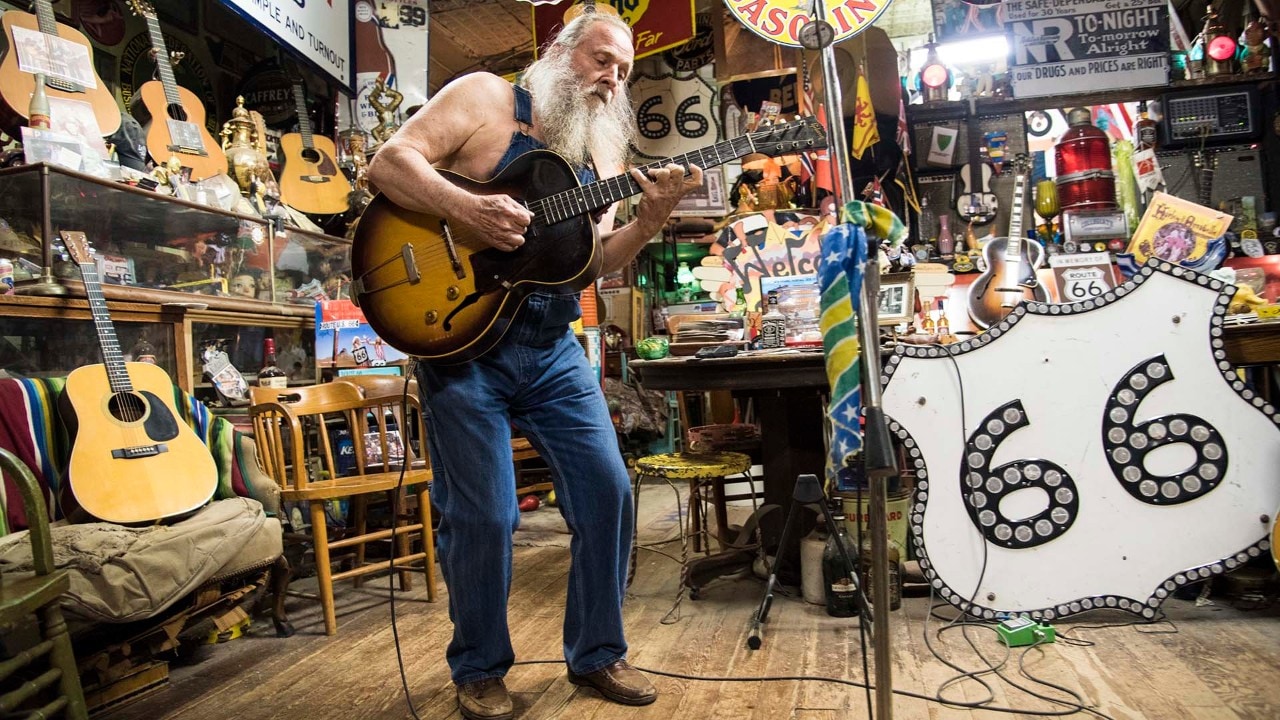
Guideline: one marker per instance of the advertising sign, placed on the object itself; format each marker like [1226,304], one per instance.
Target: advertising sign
[655,26]
[780,20]
[1068,46]
[319,30]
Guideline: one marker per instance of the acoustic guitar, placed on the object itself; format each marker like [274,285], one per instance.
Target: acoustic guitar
[430,287]
[133,458]
[24,33]
[311,181]
[175,115]
[1012,261]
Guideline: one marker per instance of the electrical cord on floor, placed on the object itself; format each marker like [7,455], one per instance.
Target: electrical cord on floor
[410,370]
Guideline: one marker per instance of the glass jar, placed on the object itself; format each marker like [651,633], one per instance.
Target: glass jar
[1082,147]
[801,305]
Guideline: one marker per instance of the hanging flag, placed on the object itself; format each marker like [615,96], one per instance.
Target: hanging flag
[865,133]
[844,254]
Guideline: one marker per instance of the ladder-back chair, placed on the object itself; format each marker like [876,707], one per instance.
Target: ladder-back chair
[292,431]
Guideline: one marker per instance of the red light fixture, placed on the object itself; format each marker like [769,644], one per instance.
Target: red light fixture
[934,79]
[1219,47]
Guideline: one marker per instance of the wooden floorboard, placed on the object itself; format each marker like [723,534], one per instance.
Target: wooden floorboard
[1221,663]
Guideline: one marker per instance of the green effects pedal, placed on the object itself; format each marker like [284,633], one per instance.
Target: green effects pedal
[1020,631]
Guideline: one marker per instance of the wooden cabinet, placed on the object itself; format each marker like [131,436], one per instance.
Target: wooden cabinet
[175,274]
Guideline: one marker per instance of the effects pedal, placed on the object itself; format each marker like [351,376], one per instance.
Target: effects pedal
[1020,631]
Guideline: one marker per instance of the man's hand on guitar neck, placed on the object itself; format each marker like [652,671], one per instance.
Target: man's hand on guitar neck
[662,189]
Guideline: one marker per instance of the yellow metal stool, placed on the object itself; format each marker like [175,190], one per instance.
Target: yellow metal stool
[700,469]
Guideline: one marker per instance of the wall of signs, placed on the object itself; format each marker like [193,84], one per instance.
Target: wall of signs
[1067,46]
[319,32]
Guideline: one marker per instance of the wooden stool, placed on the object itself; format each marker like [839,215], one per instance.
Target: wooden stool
[700,469]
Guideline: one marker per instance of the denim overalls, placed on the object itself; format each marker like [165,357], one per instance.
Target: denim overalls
[537,377]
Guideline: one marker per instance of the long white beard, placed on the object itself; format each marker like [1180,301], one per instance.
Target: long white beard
[572,120]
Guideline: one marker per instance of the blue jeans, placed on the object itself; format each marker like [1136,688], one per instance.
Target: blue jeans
[538,379]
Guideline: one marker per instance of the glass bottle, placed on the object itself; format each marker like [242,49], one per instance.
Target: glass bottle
[895,572]
[773,326]
[928,223]
[38,110]
[1144,130]
[271,375]
[946,243]
[841,590]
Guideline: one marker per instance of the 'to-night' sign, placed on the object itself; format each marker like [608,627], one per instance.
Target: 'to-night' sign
[780,20]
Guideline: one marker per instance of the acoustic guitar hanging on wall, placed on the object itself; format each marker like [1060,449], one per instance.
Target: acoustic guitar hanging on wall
[39,41]
[311,180]
[176,116]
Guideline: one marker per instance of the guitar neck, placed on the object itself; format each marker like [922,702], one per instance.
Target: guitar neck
[117,374]
[601,194]
[1014,246]
[304,120]
[47,23]
[163,65]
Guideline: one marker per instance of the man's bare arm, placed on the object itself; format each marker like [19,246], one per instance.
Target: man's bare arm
[404,169]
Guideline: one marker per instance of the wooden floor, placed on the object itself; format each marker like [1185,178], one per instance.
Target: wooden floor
[1214,662]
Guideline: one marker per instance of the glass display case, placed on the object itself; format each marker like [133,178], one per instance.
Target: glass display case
[177,274]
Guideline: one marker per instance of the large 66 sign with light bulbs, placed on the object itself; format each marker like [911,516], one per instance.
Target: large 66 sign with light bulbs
[1097,454]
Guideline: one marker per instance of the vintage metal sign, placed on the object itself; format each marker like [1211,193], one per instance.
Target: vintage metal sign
[655,26]
[1097,454]
[780,20]
[1066,46]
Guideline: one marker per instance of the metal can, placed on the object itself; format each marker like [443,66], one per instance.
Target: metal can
[6,275]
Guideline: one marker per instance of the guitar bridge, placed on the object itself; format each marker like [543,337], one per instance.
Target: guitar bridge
[139,451]
[454,262]
[63,85]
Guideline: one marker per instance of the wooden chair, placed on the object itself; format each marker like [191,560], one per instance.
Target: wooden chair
[25,597]
[521,449]
[291,428]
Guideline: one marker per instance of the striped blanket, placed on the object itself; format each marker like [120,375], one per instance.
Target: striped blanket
[31,428]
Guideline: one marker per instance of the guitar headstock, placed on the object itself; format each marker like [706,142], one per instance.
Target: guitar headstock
[77,246]
[1021,164]
[799,135]
[142,8]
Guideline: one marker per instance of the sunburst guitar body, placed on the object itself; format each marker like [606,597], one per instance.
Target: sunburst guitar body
[17,86]
[133,458]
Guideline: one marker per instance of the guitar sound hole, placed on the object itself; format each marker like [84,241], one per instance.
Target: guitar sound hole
[310,155]
[177,113]
[127,407]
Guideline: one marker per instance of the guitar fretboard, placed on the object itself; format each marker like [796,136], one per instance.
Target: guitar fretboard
[163,65]
[304,120]
[589,198]
[1014,246]
[45,19]
[112,358]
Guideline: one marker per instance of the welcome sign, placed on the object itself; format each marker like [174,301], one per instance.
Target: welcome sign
[780,20]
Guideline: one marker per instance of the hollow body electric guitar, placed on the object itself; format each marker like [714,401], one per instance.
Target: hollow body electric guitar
[1012,261]
[43,35]
[430,287]
[175,115]
[133,458]
[311,181]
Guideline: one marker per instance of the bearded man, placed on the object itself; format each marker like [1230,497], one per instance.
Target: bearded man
[573,101]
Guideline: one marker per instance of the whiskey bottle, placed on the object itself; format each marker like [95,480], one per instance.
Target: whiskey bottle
[1144,129]
[271,375]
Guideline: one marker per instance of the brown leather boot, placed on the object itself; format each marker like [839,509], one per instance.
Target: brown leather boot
[485,700]
[620,683]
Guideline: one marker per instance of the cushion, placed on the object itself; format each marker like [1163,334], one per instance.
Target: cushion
[125,574]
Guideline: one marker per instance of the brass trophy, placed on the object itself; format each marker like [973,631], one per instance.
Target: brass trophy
[385,101]
[246,163]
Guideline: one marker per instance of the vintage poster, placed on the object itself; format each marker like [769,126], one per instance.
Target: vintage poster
[1068,46]
[391,46]
[319,32]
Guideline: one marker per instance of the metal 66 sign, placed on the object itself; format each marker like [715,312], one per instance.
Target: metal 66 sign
[780,20]
[1093,454]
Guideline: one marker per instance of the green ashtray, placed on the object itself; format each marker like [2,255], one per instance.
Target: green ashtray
[652,348]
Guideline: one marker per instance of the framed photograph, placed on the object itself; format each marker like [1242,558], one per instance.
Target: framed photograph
[897,298]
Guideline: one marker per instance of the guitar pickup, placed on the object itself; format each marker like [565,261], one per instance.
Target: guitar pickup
[139,451]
